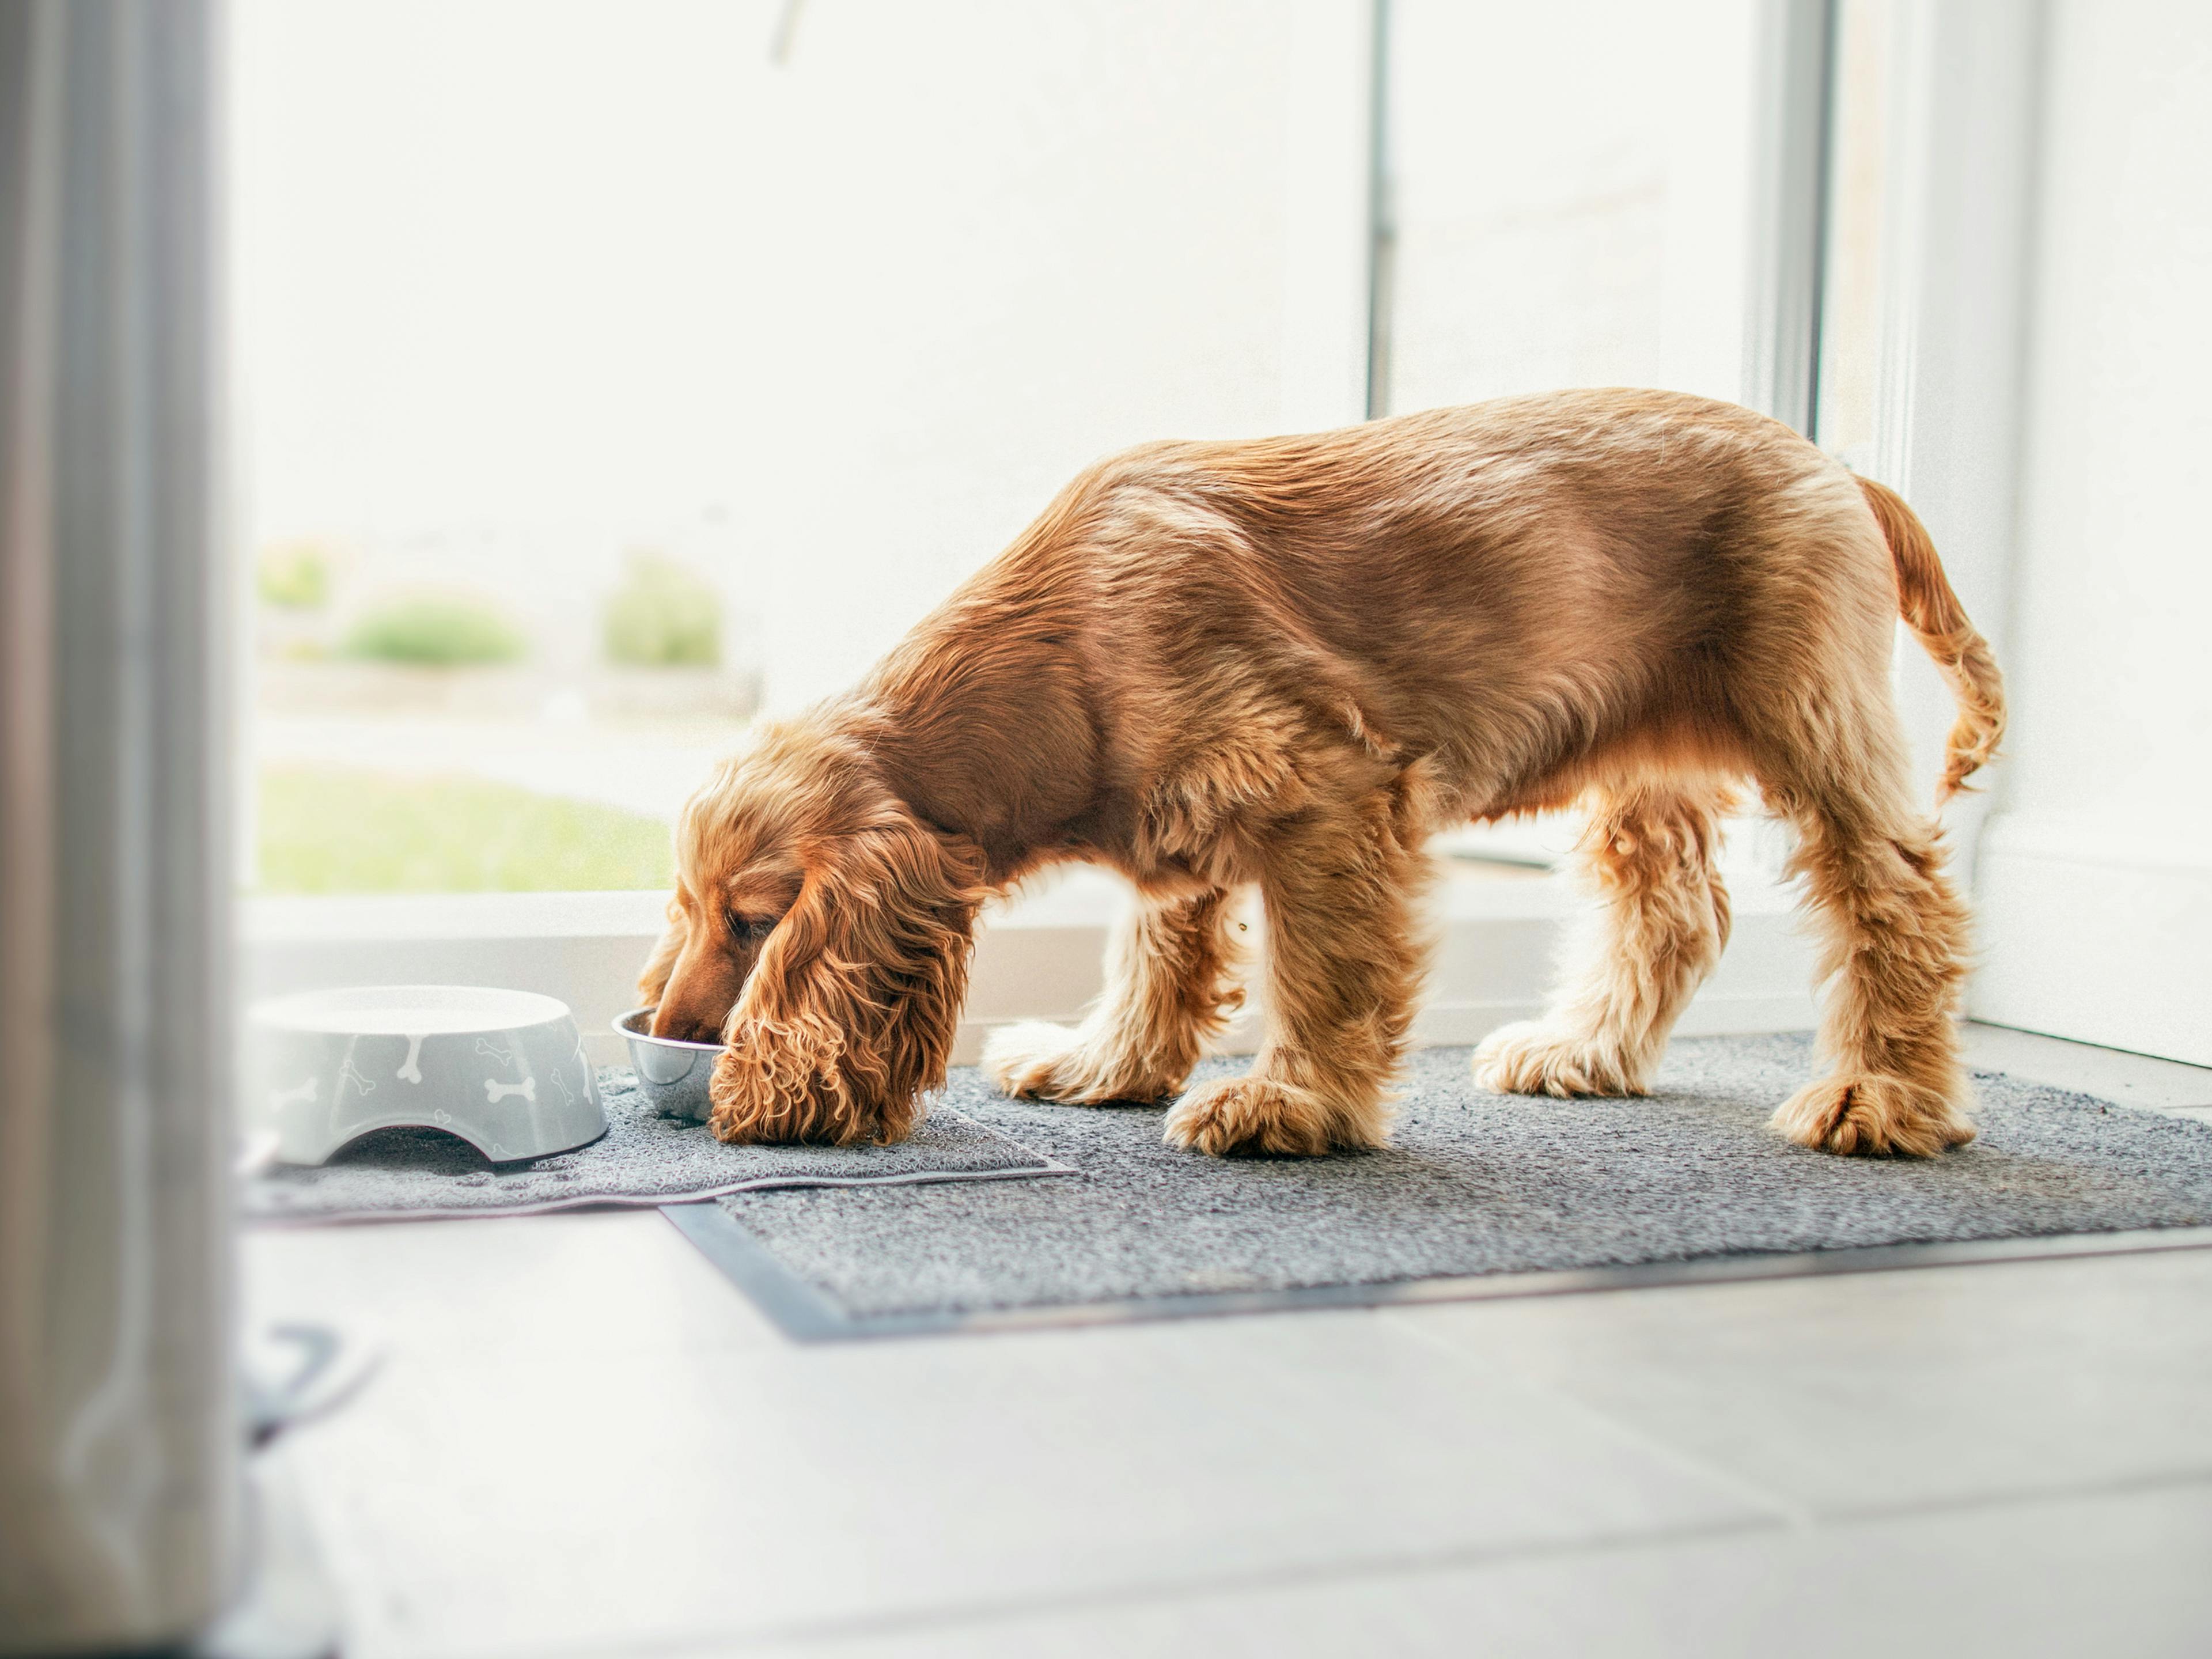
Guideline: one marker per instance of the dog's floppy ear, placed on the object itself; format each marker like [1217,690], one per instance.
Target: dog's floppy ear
[849,1016]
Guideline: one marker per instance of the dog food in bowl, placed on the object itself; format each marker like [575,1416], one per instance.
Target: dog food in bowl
[672,1074]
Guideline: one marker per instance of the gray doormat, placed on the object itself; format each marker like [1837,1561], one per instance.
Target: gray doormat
[642,1160]
[1479,1194]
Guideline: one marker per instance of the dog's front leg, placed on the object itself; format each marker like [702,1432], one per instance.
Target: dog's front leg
[1170,985]
[1344,964]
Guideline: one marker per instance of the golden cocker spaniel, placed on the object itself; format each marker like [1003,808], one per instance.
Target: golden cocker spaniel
[1285,662]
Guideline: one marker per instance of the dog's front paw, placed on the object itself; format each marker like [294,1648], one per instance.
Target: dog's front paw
[1873,1116]
[783,1094]
[1529,1058]
[1253,1117]
[1024,1059]
[1037,1061]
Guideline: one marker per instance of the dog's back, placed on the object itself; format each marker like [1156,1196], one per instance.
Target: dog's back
[1517,589]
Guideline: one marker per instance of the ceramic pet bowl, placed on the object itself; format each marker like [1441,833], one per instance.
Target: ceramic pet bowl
[503,1070]
[672,1075]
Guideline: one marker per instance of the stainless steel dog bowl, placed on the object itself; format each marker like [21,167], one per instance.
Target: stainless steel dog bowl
[503,1070]
[672,1074]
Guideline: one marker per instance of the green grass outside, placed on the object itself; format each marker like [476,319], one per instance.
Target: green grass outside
[337,830]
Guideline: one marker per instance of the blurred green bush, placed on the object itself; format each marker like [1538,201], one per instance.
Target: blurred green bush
[293,576]
[664,615]
[438,630]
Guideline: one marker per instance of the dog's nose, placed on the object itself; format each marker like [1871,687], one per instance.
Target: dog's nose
[683,1025]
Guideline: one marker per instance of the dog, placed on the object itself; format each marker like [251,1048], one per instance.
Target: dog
[1283,664]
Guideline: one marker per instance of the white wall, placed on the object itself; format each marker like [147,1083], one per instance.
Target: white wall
[2096,870]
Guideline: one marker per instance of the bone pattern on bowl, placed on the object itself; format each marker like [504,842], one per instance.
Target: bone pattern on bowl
[324,1068]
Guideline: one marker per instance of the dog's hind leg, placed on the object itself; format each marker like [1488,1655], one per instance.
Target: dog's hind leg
[1344,962]
[1894,958]
[1648,853]
[1170,985]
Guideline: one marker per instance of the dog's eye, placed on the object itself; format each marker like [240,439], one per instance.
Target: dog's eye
[749,929]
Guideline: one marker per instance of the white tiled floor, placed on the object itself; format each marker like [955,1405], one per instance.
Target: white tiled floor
[582,1441]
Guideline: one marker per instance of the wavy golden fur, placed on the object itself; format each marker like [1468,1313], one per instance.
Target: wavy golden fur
[1285,662]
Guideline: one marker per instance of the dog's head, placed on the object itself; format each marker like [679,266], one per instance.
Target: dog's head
[821,932]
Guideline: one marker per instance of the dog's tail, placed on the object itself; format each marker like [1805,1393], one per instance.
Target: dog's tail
[1932,610]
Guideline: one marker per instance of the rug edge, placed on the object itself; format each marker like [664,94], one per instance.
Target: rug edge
[1044,1166]
[805,1313]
